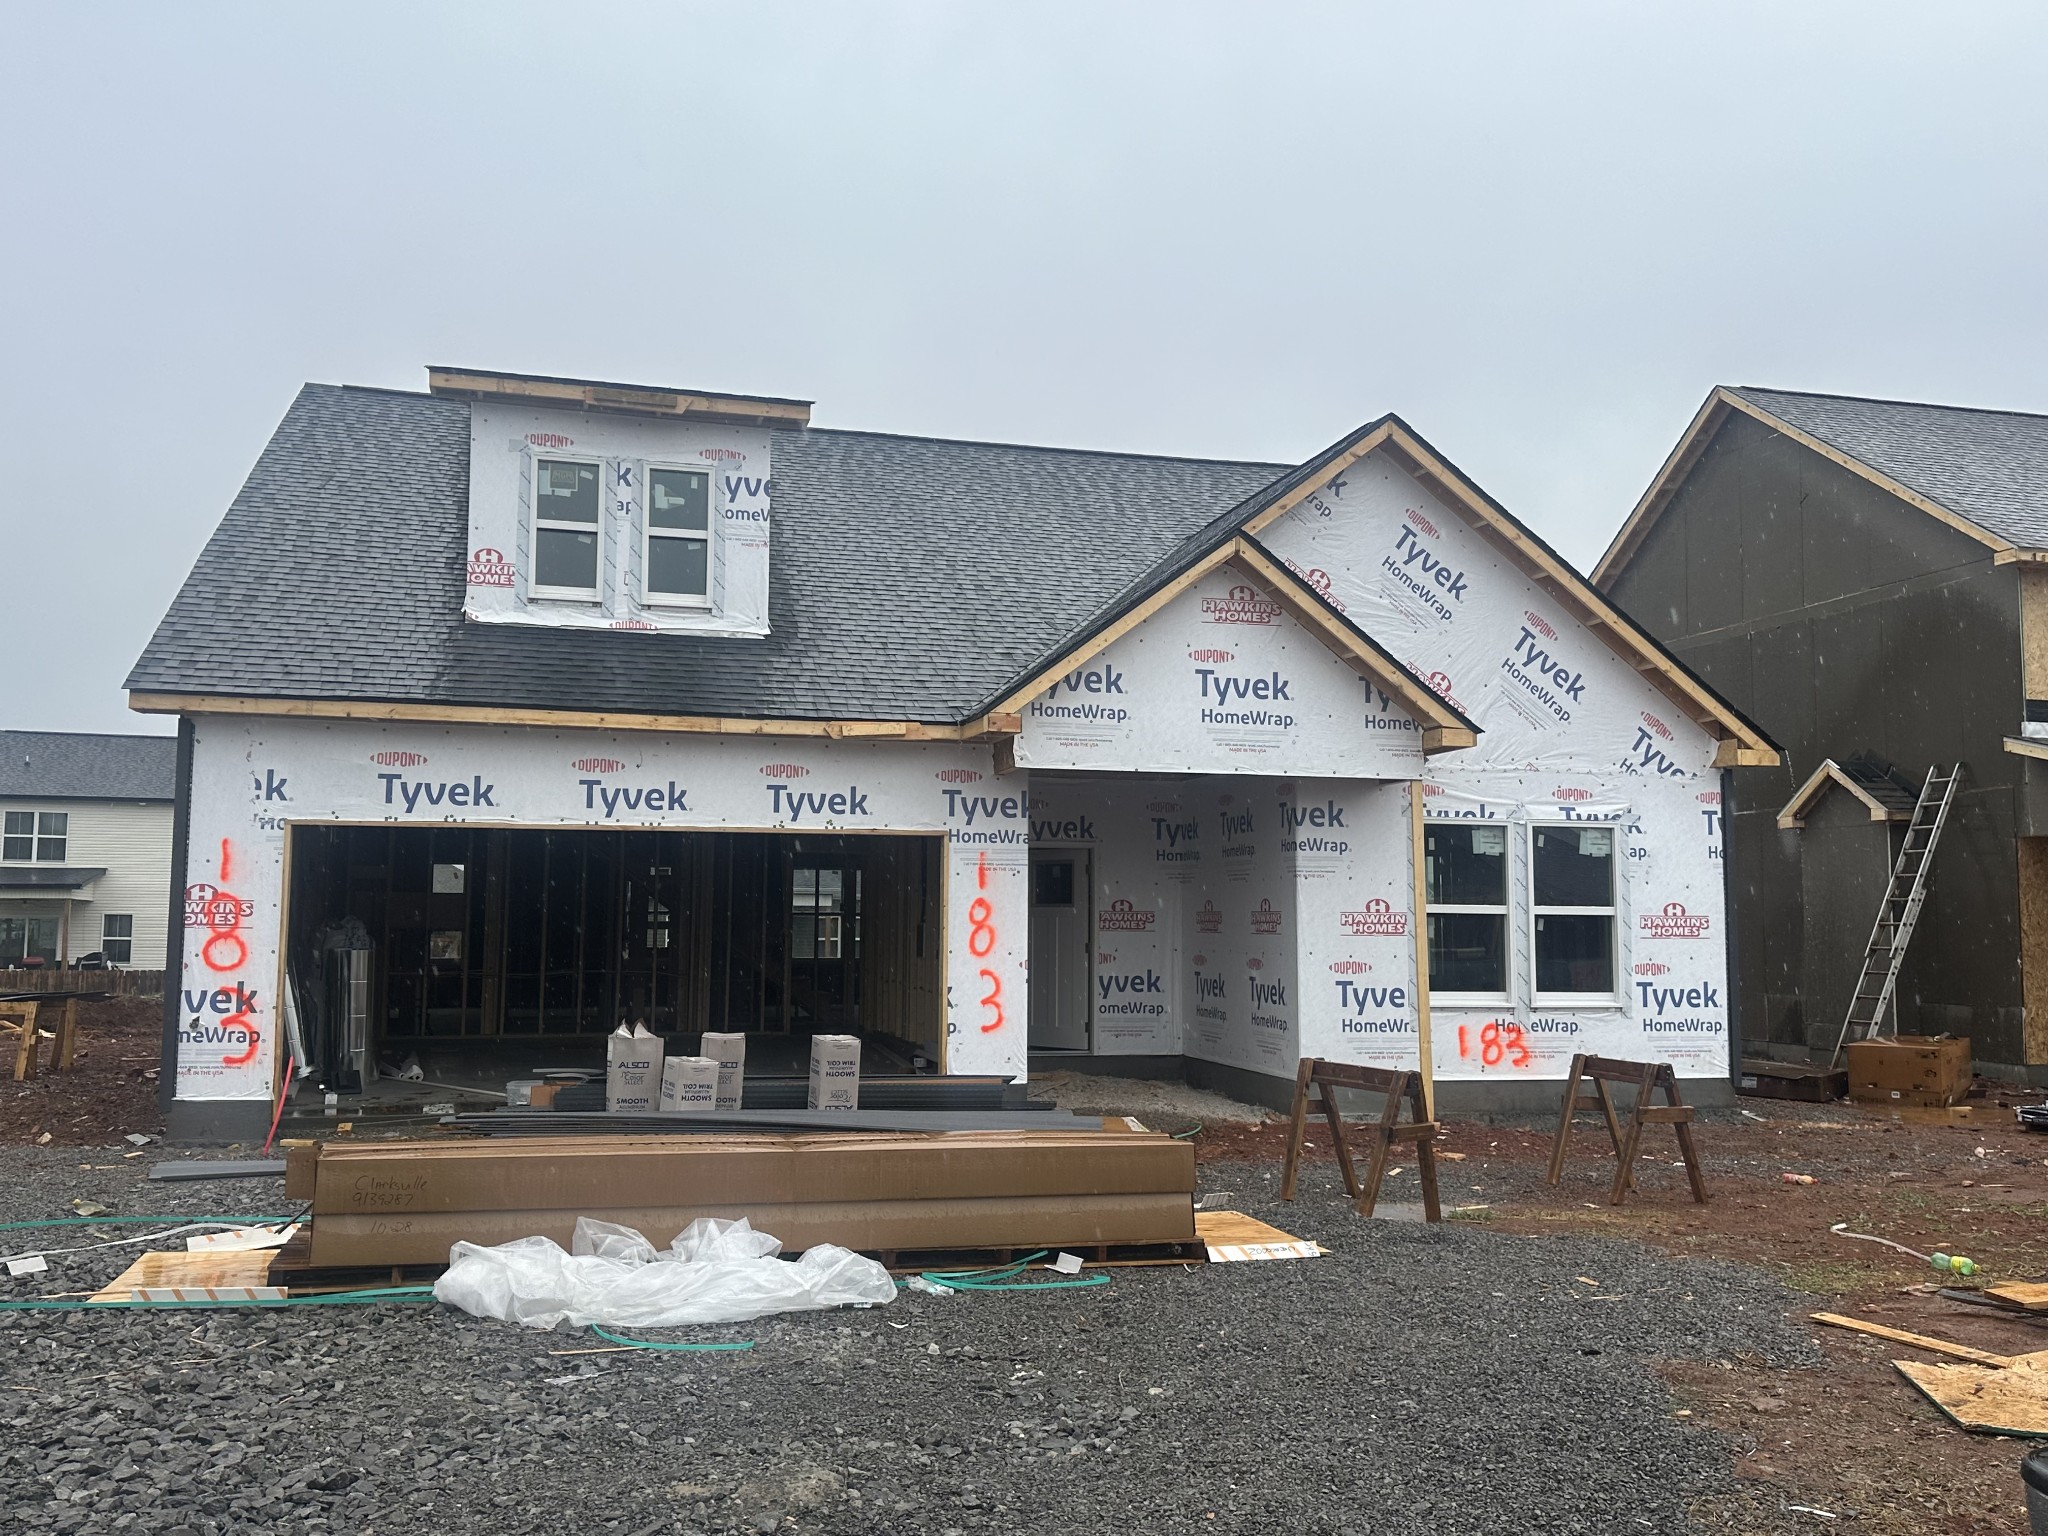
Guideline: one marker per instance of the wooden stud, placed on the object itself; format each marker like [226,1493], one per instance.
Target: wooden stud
[1418,926]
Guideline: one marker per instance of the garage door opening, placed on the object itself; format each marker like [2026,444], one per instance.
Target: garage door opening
[482,955]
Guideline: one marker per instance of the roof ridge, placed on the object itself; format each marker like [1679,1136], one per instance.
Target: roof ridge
[1093,453]
[1924,405]
[16,730]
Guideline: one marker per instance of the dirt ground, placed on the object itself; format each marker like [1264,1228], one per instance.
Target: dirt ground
[110,1092]
[1853,1442]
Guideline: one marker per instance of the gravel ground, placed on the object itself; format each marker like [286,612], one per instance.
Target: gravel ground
[1444,1380]
[1171,1103]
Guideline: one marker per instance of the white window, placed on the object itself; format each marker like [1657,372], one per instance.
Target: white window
[676,558]
[1571,873]
[1466,869]
[568,528]
[117,937]
[40,836]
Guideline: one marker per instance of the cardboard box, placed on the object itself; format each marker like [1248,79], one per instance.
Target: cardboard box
[835,1072]
[863,1225]
[730,1052]
[1928,1070]
[689,1085]
[632,1081]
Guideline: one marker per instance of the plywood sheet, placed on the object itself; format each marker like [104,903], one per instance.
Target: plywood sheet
[1234,1238]
[2028,1296]
[205,1276]
[2012,1401]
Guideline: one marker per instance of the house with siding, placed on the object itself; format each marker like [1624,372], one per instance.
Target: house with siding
[523,707]
[1868,580]
[85,848]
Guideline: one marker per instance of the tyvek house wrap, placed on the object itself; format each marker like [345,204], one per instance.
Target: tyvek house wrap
[507,446]
[251,777]
[1221,680]
[1571,733]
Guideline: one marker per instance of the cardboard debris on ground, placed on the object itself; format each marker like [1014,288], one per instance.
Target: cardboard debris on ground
[194,1277]
[1234,1238]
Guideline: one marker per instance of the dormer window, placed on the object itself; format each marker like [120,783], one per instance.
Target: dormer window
[677,560]
[566,528]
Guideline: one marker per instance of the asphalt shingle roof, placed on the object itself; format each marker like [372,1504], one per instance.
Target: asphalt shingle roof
[76,766]
[1988,466]
[909,578]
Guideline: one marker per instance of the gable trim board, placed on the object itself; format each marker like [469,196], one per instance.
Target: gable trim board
[1706,425]
[2020,746]
[633,399]
[1444,727]
[1828,775]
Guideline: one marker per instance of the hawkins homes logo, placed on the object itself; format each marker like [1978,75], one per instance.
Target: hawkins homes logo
[1120,916]
[1674,922]
[208,906]
[1264,918]
[1378,920]
[490,568]
[1319,582]
[1240,605]
[1209,919]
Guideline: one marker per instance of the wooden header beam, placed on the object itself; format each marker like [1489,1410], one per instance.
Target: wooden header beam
[632,399]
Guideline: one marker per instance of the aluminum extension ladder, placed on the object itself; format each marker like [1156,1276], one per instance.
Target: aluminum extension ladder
[1896,915]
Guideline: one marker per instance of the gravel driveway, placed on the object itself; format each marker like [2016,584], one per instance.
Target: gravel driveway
[1443,1380]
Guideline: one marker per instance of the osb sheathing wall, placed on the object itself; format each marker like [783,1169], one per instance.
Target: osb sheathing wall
[1843,620]
[2033,879]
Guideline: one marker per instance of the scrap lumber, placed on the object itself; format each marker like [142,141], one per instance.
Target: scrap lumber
[1916,1340]
[2026,1296]
[1232,1237]
[1993,1400]
[174,1276]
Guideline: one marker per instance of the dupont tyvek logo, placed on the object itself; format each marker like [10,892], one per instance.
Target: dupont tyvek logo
[631,624]
[962,806]
[1652,968]
[1254,963]
[1163,807]
[1377,919]
[1242,604]
[550,440]
[785,771]
[948,775]
[1212,655]
[434,793]
[398,759]
[1174,839]
[1548,681]
[1270,994]
[208,906]
[1356,998]
[1105,679]
[1709,797]
[639,799]
[1350,967]
[489,568]
[1646,756]
[1537,622]
[798,805]
[598,765]
[1265,917]
[1569,793]
[1208,919]
[1122,916]
[1140,992]
[1674,922]
[1678,1009]
[727,455]
[1421,572]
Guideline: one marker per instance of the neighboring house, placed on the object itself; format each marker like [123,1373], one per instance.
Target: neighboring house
[527,706]
[1866,579]
[85,848]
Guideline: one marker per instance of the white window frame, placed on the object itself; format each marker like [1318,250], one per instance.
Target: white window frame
[127,938]
[535,522]
[36,835]
[1612,912]
[1504,910]
[648,534]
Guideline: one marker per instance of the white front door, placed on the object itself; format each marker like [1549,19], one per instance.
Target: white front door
[1062,949]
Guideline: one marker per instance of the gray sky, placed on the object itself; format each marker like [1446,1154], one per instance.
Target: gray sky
[1539,232]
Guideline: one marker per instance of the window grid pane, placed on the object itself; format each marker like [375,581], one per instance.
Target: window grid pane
[1466,865]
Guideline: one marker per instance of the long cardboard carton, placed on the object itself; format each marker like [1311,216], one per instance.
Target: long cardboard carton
[655,1173]
[869,1225]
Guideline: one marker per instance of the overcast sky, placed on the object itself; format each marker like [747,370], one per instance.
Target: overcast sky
[1539,232]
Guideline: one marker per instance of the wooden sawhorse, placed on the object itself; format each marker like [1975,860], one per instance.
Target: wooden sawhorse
[19,1016]
[1397,1088]
[1644,1076]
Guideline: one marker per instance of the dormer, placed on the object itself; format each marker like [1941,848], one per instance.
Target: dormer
[617,506]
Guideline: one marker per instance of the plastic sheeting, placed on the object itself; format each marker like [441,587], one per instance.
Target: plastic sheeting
[714,1272]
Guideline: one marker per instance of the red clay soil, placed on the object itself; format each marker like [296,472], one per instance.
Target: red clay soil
[1854,1438]
[110,1091]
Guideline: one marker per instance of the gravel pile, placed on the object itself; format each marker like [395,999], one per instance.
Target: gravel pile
[1443,1380]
